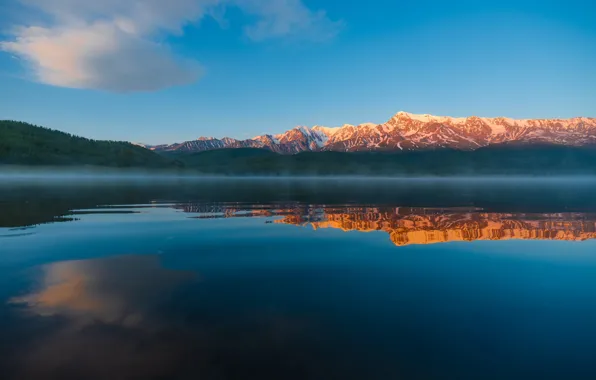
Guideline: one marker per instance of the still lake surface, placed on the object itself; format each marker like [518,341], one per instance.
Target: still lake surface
[298,279]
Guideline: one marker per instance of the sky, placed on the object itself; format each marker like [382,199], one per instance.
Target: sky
[165,71]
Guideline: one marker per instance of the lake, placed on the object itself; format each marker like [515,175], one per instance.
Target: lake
[298,279]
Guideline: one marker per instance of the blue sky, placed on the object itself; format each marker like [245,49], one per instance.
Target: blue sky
[159,71]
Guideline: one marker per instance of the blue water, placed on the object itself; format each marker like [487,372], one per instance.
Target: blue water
[183,282]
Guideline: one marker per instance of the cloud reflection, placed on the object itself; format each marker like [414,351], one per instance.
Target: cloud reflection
[122,289]
[121,318]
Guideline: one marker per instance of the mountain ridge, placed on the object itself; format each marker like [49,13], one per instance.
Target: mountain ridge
[405,132]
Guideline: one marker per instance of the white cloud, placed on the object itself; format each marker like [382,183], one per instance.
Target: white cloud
[113,44]
[100,56]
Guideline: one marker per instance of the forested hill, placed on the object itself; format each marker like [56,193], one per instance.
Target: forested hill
[504,159]
[26,144]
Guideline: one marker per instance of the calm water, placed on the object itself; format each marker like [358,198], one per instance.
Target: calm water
[242,279]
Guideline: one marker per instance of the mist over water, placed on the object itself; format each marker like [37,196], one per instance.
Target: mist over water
[79,174]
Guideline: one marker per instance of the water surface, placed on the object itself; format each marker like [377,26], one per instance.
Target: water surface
[276,279]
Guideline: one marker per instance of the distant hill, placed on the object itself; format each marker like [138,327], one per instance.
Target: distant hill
[502,159]
[26,144]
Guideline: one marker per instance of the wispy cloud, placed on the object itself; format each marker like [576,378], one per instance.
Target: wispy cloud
[114,45]
[285,18]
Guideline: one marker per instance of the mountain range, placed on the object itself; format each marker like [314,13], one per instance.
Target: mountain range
[408,132]
[413,146]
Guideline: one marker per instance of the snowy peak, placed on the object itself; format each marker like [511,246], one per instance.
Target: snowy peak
[326,130]
[408,131]
[496,122]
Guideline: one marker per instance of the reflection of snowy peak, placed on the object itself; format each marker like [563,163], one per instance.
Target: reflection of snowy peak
[415,225]
[406,131]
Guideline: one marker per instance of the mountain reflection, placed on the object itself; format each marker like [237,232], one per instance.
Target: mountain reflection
[406,225]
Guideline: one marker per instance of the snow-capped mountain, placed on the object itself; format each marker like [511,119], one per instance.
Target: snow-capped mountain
[406,131]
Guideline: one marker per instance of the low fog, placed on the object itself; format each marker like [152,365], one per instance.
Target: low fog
[92,174]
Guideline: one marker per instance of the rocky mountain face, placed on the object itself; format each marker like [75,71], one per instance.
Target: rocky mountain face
[406,131]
